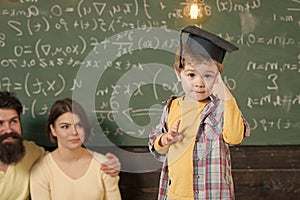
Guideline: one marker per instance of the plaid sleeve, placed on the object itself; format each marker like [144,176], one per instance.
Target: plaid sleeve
[160,128]
[247,128]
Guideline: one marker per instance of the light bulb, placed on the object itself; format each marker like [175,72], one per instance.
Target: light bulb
[194,11]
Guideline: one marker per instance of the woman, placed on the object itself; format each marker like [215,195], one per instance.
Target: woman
[71,171]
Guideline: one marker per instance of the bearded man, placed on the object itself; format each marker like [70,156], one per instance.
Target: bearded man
[16,155]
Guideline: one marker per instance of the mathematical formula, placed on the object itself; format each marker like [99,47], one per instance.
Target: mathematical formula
[129,45]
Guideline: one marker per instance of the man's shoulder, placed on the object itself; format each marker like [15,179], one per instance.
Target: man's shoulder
[32,147]
[30,144]
[33,153]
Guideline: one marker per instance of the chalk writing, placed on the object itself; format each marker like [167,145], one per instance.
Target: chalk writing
[233,6]
[273,66]
[45,46]
[34,86]
[267,124]
[275,100]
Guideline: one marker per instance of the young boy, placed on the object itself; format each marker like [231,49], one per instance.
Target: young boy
[195,131]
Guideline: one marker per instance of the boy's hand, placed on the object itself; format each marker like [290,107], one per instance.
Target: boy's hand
[171,136]
[220,90]
[112,166]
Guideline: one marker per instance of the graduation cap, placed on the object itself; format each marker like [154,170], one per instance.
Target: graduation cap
[206,43]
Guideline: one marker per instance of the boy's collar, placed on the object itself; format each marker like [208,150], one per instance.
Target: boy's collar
[213,98]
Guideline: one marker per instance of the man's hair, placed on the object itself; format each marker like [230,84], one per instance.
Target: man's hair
[191,56]
[10,101]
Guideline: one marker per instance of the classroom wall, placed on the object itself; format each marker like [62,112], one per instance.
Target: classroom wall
[49,50]
[116,58]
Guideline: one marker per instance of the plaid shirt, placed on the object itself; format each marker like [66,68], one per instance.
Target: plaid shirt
[211,155]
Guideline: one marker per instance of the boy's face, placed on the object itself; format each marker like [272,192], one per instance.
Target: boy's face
[197,81]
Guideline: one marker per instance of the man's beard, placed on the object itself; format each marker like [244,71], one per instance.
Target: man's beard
[11,152]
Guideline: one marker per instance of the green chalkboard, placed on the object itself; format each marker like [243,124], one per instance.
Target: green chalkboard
[116,57]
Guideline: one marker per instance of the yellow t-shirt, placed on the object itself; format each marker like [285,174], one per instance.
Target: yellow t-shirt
[180,154]
[14,183]
[48,181]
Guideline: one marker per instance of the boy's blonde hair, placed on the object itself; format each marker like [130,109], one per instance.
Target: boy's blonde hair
[191,56]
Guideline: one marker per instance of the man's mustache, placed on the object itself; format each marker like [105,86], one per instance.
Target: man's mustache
[13,135]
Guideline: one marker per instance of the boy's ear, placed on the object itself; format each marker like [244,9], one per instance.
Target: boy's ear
[177,75]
